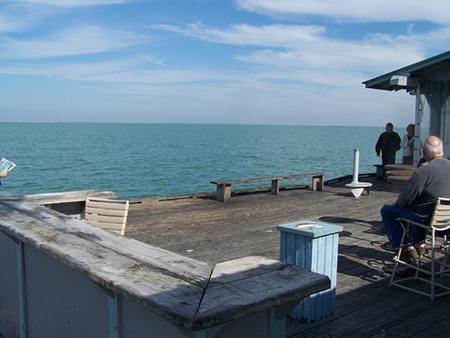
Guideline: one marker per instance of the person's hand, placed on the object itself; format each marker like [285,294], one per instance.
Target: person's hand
[4,173]
[378,154]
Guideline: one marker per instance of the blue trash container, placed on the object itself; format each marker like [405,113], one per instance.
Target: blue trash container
[313,246]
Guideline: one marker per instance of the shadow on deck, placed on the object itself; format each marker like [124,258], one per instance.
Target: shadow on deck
[211,231]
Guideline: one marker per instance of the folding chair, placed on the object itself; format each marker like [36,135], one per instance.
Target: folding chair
[432,265]
[107,214]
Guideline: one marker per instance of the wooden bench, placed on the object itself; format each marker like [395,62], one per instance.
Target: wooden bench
[379,172]
[100,284]
[69,202]
[399,173]
[224,187]
[401,170]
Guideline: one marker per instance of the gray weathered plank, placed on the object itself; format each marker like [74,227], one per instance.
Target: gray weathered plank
[250,266]
[247,295]
[270,178]
[61,197]
[170,262]
[154,289]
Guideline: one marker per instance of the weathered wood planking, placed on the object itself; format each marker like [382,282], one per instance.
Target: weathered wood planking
[192,303]
[270,178]
[217,232]
[227,272]
[108,268]
[69,203]
[228,299]
[61,197]
[407,167]
[183,267]
[399,173]
[223,193]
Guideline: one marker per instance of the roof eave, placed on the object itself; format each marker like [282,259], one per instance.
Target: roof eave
[384,81]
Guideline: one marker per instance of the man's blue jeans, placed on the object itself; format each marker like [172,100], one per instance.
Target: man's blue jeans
[394,231]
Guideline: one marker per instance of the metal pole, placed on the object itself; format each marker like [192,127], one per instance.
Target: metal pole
[417,130]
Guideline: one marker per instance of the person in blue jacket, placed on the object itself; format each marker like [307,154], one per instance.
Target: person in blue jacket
[3,174]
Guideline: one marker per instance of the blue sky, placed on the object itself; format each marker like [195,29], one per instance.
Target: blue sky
[213,61]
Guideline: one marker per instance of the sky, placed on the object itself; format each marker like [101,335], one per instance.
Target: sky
[285,62]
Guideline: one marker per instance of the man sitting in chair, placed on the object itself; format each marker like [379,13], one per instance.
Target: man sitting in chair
[417,200]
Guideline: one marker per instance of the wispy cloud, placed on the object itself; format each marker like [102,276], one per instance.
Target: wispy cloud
[309,56]
[67,42]
[74,3]
[10,23]
[120,68]
[16,18]
[354,10]
[135,69]
[248,35]
[299,46]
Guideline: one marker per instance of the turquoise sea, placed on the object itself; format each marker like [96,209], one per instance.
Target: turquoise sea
[147,160]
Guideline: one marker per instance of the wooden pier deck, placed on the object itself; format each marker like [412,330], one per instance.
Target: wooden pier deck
[211,231]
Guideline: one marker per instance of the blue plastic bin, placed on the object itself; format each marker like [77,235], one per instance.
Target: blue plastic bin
[313,246]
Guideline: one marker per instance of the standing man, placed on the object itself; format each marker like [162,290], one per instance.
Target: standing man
[388,143]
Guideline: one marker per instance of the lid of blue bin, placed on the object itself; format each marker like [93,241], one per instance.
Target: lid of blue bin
[310,228]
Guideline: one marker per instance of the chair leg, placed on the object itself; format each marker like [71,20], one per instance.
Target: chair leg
[433,275]
[419,263]
[426,267]
[445,264]
[399,253]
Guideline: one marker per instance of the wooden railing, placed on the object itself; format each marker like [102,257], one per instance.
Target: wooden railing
[65,277]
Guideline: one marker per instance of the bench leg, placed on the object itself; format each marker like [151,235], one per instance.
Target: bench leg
[223,192]
[275,187]
[317,183]
[380,172]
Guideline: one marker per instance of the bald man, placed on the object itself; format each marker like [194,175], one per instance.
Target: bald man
[417,199]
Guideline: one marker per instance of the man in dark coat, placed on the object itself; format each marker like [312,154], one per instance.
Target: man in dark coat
[388,143]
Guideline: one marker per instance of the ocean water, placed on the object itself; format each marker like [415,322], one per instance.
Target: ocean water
[147,160]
